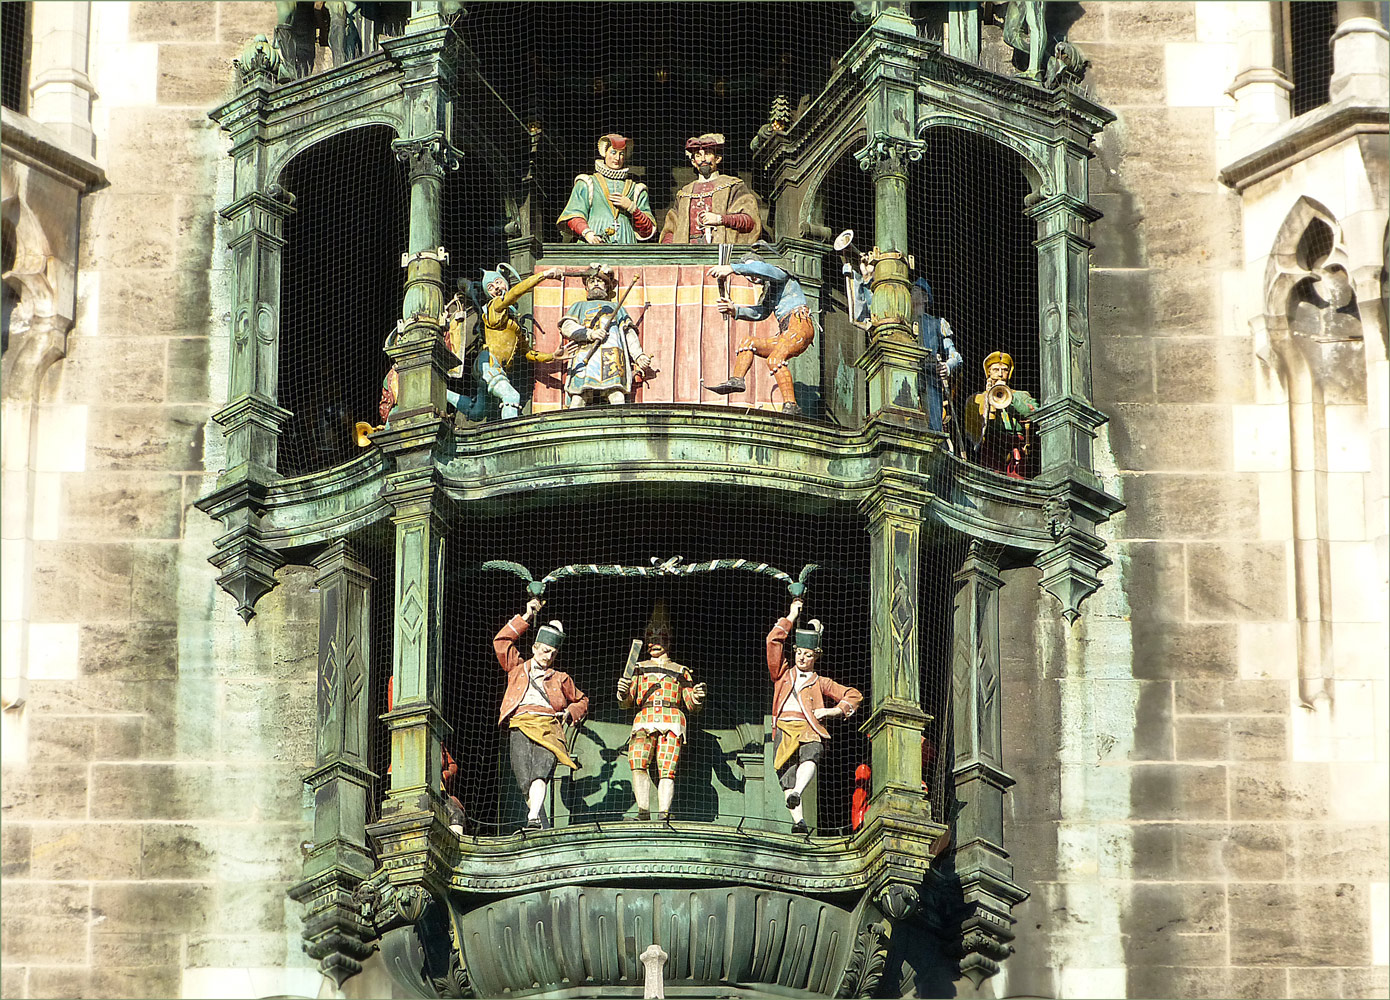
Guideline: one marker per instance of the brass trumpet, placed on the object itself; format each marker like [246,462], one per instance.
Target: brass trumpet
[999,396]
[844,246]
[362,433]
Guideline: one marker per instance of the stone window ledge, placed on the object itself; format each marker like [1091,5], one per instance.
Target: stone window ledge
[1305,136]
[36,145]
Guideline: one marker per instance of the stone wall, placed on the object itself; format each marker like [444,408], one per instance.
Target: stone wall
[1188,827]
[1187,821]
[152,803]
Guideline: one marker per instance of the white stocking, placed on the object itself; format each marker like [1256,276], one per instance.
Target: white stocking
[642,789]
[535,798]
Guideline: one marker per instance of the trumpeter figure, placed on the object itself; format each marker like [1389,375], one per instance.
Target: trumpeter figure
[999,422]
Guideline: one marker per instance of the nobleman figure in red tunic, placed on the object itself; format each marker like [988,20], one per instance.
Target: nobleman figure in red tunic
[662,691]
[802,701]
[538,698]
[713,208]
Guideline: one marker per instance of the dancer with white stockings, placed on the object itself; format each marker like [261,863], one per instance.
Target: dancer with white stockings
[802,702]
[537,700]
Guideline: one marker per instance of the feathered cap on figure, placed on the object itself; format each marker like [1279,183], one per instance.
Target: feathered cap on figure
[505,272]
[810,638]
[710,140]
[602,271]
[552,633]
[659,626]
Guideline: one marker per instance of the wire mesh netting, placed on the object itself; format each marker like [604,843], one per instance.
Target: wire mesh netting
[340,292]
[549,81]
[14,55]
[1306,29]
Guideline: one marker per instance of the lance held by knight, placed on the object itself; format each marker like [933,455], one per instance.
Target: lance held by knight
[662,691]
[802,702]
[538,699]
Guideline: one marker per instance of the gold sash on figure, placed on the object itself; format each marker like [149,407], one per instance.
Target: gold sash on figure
[794,733]
[545,730]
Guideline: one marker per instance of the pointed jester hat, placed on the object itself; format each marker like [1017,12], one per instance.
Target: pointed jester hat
[659,626]
[505,272]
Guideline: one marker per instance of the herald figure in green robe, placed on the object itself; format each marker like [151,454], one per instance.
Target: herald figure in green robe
[608,206]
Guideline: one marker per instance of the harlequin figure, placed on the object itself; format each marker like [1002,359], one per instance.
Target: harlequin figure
[662,691]
[608,356]
[998,421]
[537,700]
[802,702]
[502,337]
[781,297]
[608,206]
[713,208]
[942,359]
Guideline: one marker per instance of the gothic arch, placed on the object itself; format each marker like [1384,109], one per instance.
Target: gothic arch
[810,217]
[31,293]
[1313,324]
[290,150]
[1037,169]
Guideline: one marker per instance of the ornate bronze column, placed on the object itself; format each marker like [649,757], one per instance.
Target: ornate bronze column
[1067,421]
[342,780]
[413,837]
[892,360]
[252,418]
[982,865]
[895,722]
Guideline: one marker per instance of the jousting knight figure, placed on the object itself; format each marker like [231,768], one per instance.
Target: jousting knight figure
[662,691]
[782,296]
[606,356]
[538,698]
[802,702]
[608,206]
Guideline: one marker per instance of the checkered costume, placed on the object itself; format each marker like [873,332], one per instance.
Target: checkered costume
[660,692]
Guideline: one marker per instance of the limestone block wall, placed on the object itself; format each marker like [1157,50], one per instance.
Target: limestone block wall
[1187,822]
[1202,831]
[152,798]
